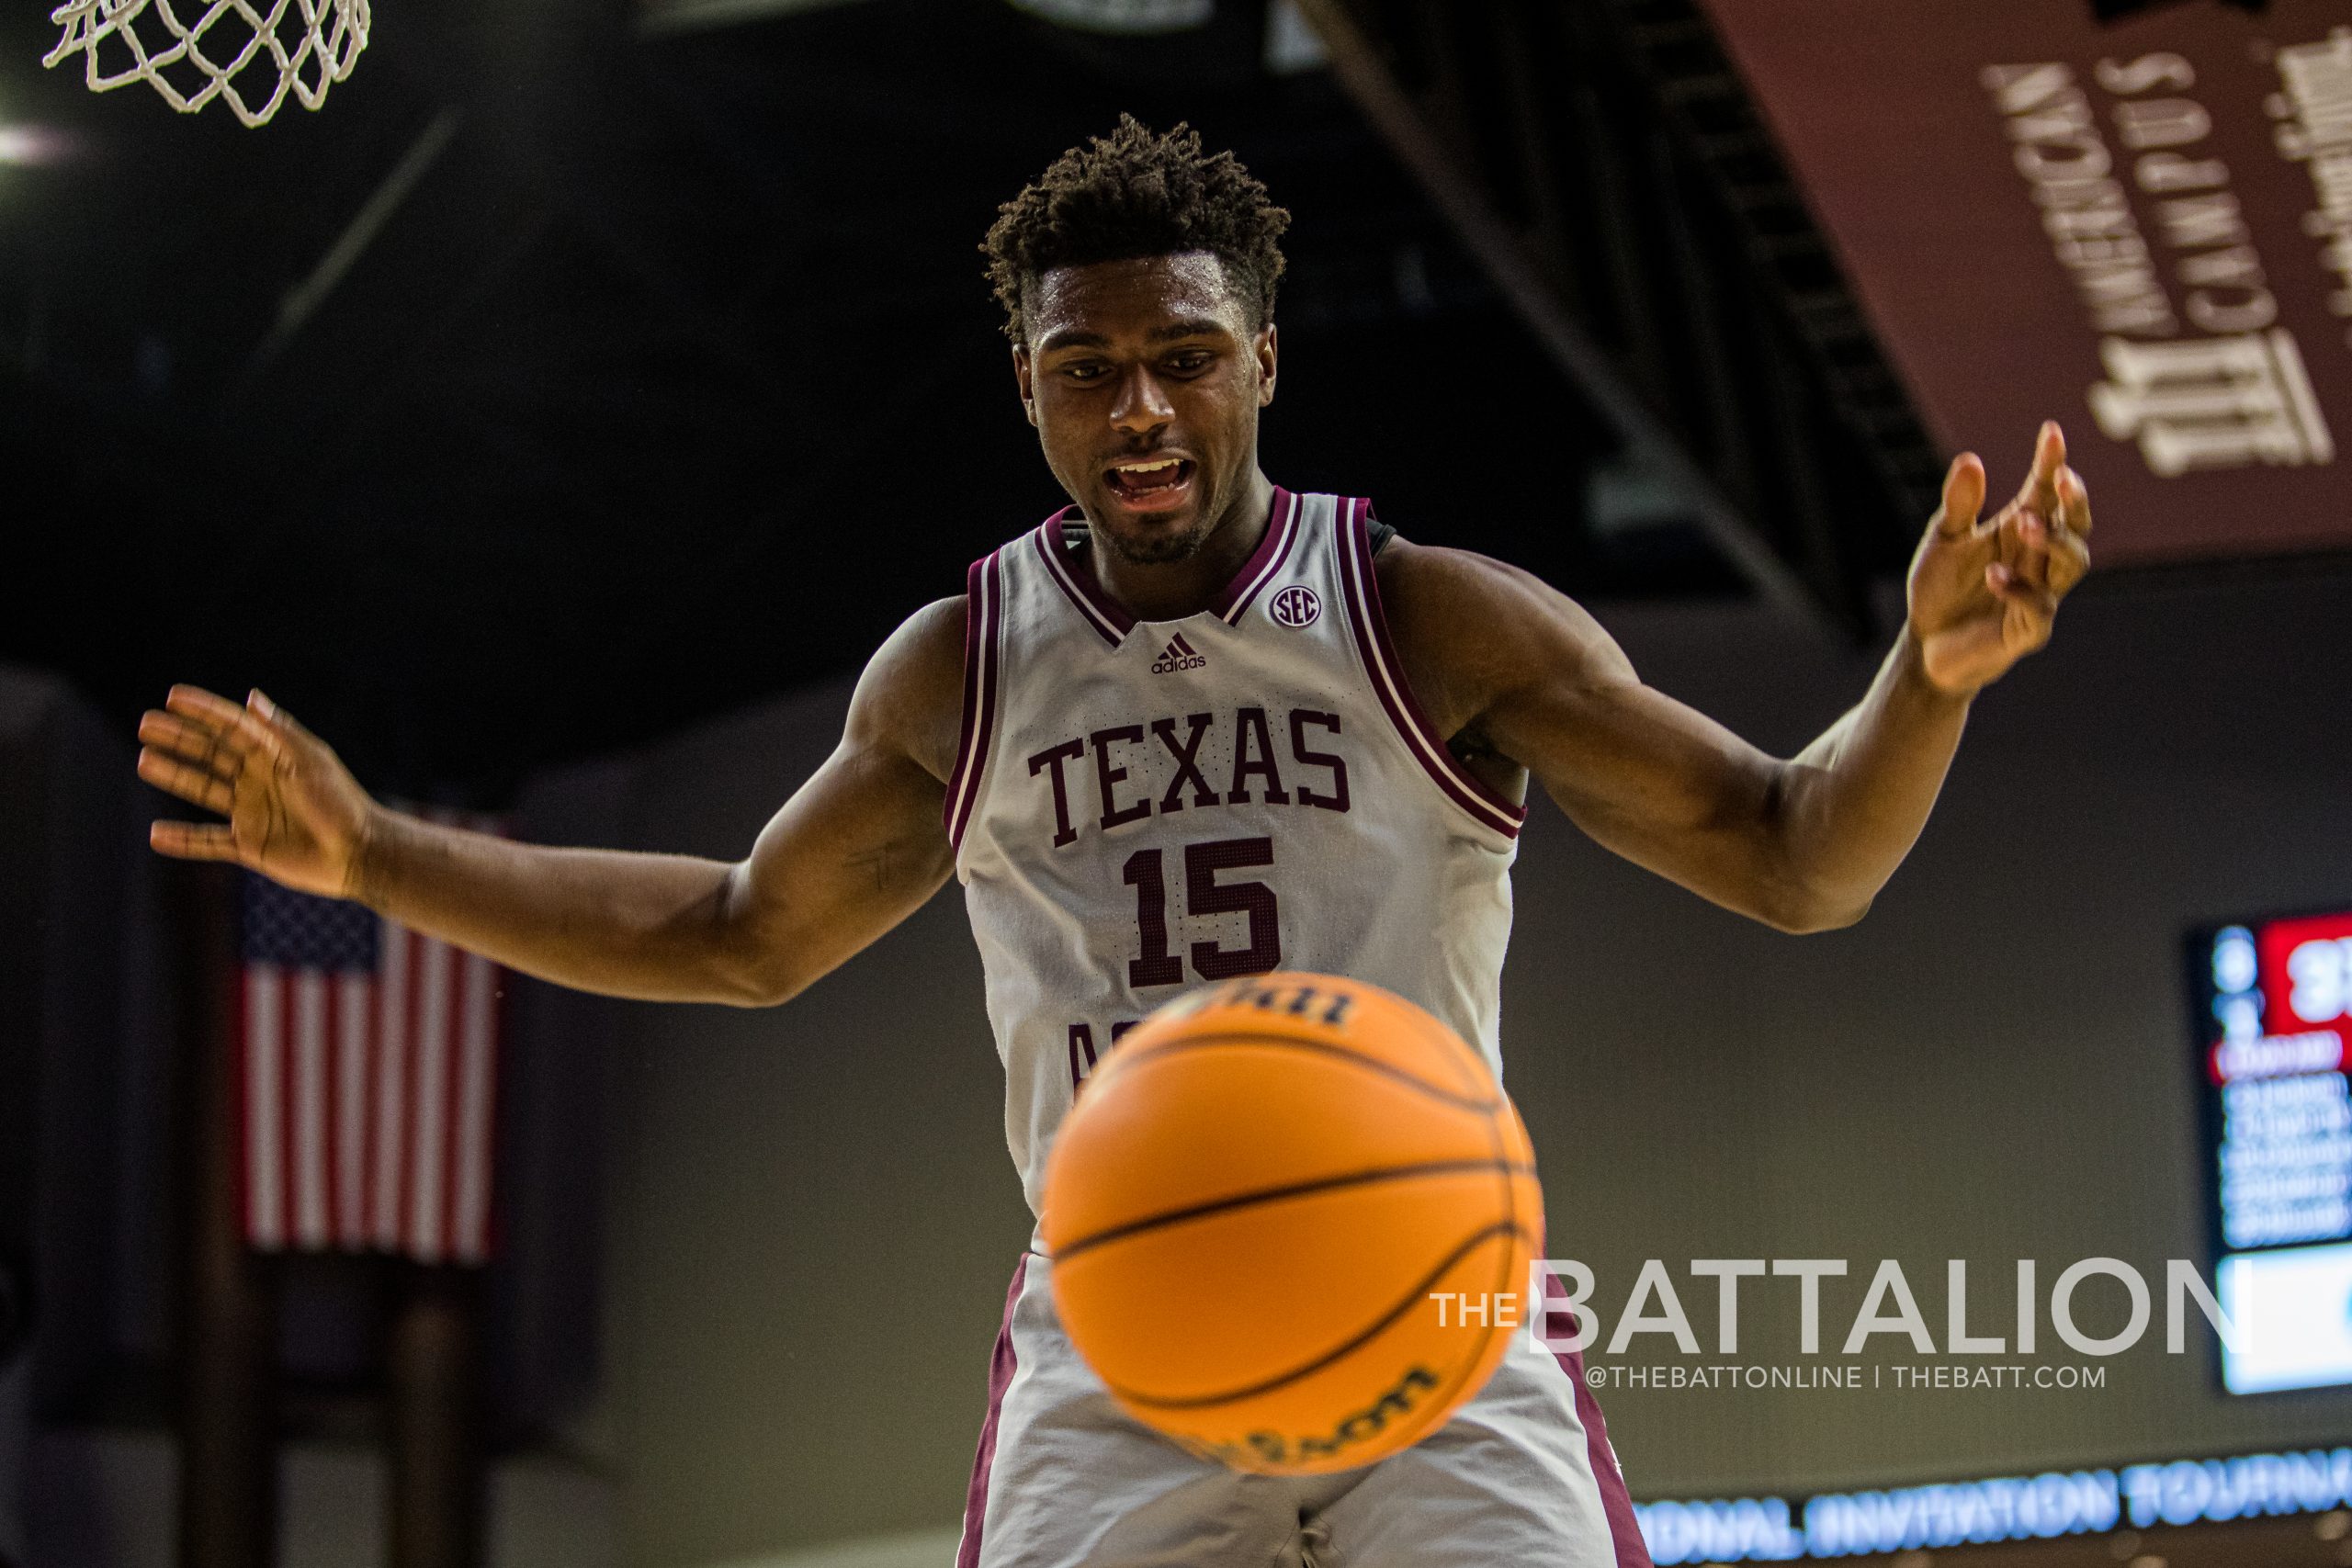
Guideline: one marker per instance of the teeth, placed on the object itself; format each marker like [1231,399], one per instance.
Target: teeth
[1140,469]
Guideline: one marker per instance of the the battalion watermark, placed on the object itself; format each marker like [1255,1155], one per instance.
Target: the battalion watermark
[2093,1307]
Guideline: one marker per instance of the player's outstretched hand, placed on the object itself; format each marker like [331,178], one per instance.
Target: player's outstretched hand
[295,813]
[1982,595]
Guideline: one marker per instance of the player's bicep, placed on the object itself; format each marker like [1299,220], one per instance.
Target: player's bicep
[856,850]
[1643,775]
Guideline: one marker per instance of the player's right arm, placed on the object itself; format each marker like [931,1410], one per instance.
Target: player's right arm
[857,848]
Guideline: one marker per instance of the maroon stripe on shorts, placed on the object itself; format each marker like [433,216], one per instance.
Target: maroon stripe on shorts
[1002,1366]
[1625,1531]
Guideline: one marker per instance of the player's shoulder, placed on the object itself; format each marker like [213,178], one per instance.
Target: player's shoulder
[1439,578]
[1469,627]
[1448,596]
[912,696]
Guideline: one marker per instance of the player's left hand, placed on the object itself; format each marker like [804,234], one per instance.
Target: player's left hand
[1984,594]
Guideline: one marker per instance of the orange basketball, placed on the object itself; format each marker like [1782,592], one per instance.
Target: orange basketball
[1291,1220]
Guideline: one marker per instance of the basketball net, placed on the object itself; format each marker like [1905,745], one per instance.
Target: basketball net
[193,52]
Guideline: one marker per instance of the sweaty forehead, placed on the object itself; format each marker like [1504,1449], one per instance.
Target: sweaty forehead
[1130,297]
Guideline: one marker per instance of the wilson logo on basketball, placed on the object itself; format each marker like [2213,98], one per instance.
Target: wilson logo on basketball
[1273,1449]
[1295,606]
[1178,655]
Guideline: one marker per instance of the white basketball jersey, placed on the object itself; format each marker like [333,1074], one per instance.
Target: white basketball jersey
[1141,808]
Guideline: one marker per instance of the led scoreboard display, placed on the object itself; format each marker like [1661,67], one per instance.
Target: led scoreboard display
[2274,1044]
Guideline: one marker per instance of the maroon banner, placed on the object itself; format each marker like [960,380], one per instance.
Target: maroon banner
[2142,228]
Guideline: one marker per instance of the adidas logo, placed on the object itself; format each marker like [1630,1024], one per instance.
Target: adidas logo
[1178,655]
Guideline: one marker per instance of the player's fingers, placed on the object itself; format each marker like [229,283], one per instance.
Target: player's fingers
[192,784]
[197,709]
[2073,501]
[2070,559]
[189,743]
[281,722]
[241,729]
[2026,538]
[2040,489]
[197,703]
[191,841]
[211,716]
[1963,496]
[277,718]
[225,751]
[2030,611]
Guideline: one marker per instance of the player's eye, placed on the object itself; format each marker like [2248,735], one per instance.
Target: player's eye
[1085,371]
[1190,364]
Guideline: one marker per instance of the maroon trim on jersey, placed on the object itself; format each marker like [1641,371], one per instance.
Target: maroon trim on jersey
[1109,618]
[1102,612]
[1002,1366]
[1616,1504]
[1466,790]
[983,630]
[1273,551]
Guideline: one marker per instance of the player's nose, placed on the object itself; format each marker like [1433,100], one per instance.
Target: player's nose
[1142,406]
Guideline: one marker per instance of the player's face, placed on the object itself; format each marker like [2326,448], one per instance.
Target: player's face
[1143,380]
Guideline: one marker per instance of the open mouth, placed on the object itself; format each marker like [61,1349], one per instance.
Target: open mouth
[1150,481]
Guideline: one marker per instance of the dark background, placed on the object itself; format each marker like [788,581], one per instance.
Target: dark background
[637,405]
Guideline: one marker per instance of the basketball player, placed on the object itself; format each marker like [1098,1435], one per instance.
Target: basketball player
[1196,726]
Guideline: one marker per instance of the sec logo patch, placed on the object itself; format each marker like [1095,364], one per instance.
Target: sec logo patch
[1295,606]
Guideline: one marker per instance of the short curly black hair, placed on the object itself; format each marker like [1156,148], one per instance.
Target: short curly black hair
[1138,192]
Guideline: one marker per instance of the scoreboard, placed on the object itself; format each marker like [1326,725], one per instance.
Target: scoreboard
[2274,1044]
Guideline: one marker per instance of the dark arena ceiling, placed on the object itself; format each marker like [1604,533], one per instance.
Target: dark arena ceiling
[581,369]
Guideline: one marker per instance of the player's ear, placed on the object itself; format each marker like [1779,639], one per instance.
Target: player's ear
[1022,376]
[1264,349]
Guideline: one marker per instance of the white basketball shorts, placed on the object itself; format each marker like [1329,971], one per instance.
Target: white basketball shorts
[1523,1474]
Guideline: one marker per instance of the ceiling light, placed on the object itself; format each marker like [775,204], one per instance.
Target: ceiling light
[31,144]
[1133,16]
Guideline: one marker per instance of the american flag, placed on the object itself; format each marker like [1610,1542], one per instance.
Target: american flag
[371,1066]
